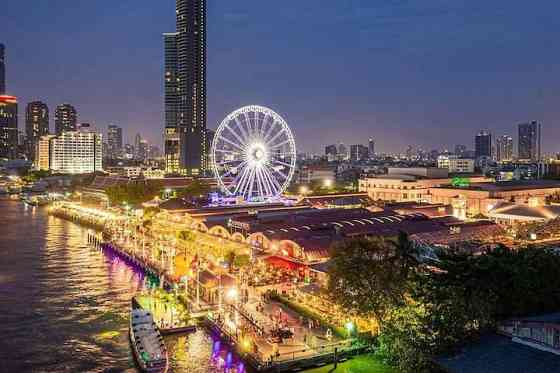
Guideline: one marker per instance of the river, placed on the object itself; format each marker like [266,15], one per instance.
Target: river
[64,305]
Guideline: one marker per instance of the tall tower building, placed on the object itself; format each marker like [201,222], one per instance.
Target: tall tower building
[483,144]
[185,71]
[36,120]
[529,147]
[2,70]
[371,148]
[36,124]
[114,140]
[504,148]
[65,118]
[8,127]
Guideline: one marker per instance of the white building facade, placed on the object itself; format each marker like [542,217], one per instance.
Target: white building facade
[71,152]
[456,165]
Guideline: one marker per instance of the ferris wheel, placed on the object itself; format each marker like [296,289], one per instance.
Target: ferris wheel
[253,154]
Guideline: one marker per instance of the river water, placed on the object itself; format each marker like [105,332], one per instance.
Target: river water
[64,305]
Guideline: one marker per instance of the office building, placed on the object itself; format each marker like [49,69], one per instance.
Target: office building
[504,148]
[114,141]
[185,90]
[8,127]
[72,152]
[143,150]
[371,148]
[2,70]
[42,157]
[358,152]
[36,120]
[65,118]
[455,165]
[529,147]
[483,144]
[331,152]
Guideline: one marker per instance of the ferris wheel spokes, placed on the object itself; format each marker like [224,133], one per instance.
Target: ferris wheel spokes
[256,145]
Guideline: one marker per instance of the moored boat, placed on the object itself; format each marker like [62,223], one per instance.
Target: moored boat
[147,343]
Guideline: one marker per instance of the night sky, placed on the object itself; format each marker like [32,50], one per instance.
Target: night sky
[426,72]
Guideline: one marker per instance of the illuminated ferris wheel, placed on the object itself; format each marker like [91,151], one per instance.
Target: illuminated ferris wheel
[254,154]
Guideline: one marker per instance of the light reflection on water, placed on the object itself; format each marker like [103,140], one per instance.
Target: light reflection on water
[64,306]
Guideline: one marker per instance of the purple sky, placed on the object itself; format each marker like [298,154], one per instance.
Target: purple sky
[429,73]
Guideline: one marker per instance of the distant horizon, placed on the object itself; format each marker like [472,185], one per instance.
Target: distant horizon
[430,75]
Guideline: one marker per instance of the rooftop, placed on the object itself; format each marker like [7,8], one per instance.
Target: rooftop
[507,186]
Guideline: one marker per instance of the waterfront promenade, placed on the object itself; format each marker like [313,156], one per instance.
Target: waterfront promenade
[266,333]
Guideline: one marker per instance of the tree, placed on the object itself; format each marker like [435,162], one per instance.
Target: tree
[196,189]
[368,276]
[230,259]
[133,193]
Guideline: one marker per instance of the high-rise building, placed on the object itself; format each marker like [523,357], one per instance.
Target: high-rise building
[36,120]
[8,127]
[358,152]
[185,70]
[2,70]
[342,152]
[143,150]
[331,152]
[42,157]
[114,140]
[74,152]
[504,148]
[137,141]
[529,147]
[65,118]
[483,144]
[171,83]
[371,148]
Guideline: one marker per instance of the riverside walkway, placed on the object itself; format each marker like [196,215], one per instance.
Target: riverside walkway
[269,336]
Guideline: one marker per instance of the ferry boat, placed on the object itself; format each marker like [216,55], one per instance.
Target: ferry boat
[147,343]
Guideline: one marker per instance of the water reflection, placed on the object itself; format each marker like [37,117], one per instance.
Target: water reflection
[64,305]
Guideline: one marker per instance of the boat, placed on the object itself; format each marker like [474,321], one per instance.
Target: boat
[147,343]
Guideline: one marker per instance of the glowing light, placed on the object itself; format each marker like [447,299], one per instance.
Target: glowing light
[232,294]
[254,154]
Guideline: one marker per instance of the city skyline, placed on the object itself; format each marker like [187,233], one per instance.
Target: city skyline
[456,91]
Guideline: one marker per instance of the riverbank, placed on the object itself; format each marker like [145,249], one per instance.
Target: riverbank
[265,332]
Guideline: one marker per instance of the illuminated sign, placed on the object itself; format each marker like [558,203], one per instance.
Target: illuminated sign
[460,182]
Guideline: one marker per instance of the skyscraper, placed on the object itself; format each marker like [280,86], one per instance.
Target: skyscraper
[483,144]
[504,148]
[2,70]
[36,124]
[36,120]
[358,152]
[65,118]
[371,148]
[185,90]
[529,147]
[114,140]
[8,126]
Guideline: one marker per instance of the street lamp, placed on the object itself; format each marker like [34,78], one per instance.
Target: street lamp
[232,294]
[349,328]
[327,183]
